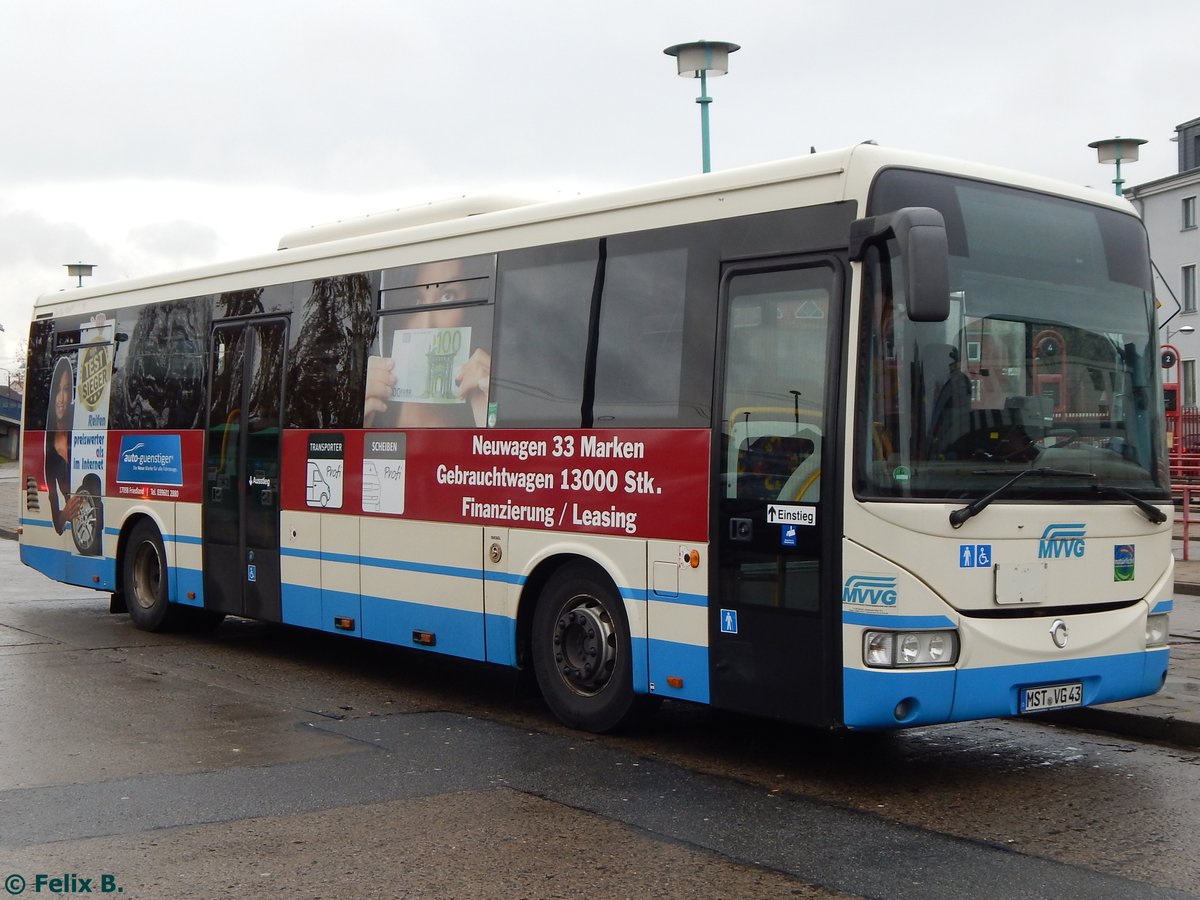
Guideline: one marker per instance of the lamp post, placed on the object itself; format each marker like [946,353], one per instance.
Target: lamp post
[696,60]
[1182,329]
[79,270]
[1117,150]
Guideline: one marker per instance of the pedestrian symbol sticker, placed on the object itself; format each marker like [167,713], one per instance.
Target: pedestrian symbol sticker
[729,621]
[974,556]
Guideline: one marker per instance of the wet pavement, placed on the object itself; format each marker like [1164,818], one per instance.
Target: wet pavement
[1172,715]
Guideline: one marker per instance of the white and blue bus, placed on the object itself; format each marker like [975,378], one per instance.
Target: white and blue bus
[863,439]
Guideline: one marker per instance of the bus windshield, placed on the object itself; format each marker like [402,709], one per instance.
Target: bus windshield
[1048,359]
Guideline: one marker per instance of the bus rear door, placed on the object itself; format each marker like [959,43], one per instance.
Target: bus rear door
[241,474]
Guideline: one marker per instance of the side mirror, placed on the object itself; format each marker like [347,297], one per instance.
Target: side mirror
[924,256]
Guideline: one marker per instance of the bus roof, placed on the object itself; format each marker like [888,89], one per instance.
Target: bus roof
[492,223]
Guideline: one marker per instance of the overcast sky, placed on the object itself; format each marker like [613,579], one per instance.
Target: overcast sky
[144,137]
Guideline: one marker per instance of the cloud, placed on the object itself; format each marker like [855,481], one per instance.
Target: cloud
[28,239]
[177,243]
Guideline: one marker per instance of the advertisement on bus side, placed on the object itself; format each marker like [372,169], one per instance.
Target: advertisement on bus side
[645,483]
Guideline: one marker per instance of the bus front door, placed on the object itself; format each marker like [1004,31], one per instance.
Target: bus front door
[241,469]
[771,614]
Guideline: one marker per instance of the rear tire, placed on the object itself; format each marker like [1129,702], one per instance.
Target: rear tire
[144,569]
[582,652]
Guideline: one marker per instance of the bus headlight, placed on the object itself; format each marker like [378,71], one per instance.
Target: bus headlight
[1157,628]
[907,649]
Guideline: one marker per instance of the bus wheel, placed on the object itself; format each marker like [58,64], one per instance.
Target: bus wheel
[145,578]
[581,650]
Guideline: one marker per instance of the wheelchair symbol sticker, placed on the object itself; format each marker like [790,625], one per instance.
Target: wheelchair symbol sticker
[974,556]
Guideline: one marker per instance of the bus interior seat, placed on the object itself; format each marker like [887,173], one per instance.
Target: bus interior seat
[775,466]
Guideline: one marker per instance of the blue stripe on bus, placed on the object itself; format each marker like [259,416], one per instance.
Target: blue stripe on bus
[181,582]
[878,620]
[504,578]
[402,565]
[681,599]
[312,607]
[44,560]
[685,661]
[182,539]
[872,696]
[301,605]
[500,638]
[459,633]
[95,572]
[46,523]
[466,572]
[1162,606]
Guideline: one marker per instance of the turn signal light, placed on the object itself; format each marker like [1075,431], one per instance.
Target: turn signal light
[1158,629]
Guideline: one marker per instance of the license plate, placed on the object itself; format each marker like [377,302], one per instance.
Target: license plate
[1052,696]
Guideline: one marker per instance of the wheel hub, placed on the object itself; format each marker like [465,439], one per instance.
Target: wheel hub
[147,576]
[585,647]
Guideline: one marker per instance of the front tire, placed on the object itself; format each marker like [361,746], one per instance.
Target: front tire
[144,567]
[582,652]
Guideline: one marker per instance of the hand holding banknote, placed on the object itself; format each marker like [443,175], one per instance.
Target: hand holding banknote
[398,396]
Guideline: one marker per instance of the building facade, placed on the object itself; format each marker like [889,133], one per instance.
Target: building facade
[1168,206]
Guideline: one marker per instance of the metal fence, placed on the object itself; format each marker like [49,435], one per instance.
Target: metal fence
[1183,442]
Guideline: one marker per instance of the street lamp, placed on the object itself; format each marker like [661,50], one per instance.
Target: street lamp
[79,270]
[1117,150]
[1182,329]
[696,60]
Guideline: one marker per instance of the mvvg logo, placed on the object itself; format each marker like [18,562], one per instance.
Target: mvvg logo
[1062,540]
[869,590]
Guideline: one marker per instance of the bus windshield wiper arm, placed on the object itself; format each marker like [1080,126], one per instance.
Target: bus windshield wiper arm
[975,507]
[1153,513]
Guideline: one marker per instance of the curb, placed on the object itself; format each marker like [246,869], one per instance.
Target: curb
[1185,587]
[1161,729]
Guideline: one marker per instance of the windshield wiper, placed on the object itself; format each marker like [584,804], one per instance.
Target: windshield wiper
[975,507]
[1153,513]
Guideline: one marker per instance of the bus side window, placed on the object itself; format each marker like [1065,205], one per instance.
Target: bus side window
[432,365]
[332,331]
[654,355]
[544,302]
